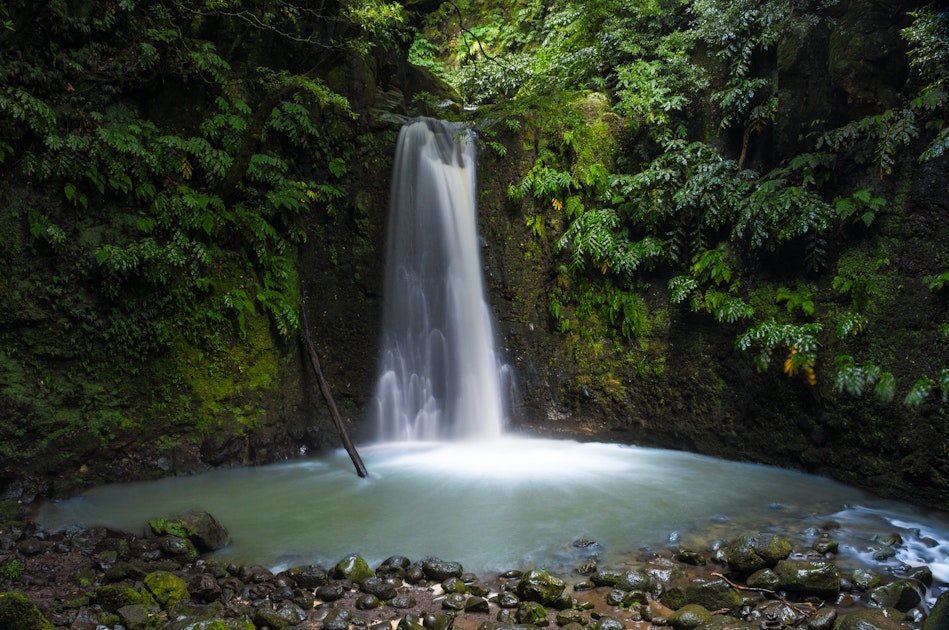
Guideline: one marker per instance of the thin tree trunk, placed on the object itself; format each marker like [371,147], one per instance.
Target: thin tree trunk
[325,388]
[745,141]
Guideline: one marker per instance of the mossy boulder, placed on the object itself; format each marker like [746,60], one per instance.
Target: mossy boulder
[823,619]
[354,568]
[764,578]
[866,579]
[384,589]
[454,602]
[540,586]
[310,576]
[286,616]
[724,622]
[607,623]
[570,617]
[618,597]
[11,513]
[18,612]
[181,549]
[775,614]
[634,581]
[112,597]
[532,613]
[203,530]
[674,597]
[631,580]
[477,604]
[899,594]
[167,588]
[134,617]
[123,570]
[342,619]
[693,558]
[826,545]
[220,624]
[714,594]
[938,618]
[752,552]
[804,576]
[690,616]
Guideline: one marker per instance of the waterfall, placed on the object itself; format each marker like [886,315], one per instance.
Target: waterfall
[439,373]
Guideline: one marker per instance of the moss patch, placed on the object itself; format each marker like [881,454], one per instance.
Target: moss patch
[167,588]
[18,612]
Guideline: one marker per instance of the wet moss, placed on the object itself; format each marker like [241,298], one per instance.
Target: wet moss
[167,588]
[595,147]
[18,612]
[112,597]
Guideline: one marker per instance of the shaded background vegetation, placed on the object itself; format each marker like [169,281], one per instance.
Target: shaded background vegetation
[710,225]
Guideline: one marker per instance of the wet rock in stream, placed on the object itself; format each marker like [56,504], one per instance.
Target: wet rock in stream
[199,528]
[96,579]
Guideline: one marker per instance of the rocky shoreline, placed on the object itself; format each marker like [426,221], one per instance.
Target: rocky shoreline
[96,579]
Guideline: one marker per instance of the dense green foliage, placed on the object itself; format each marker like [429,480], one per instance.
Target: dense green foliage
[694,193]
[156,181]
[191,188]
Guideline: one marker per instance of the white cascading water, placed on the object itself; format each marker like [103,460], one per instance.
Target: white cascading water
[439,374]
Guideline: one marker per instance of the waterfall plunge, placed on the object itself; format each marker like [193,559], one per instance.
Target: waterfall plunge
[439,374]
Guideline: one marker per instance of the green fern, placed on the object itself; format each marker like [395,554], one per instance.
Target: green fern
[936,282]
[770,335]
[802,299]
[25,108]
[857,379]
[630,313]
[542,182]
[850,324]
[209,63]
[682,288]
[919,392]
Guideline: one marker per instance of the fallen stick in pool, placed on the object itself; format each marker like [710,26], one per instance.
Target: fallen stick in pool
[328,396]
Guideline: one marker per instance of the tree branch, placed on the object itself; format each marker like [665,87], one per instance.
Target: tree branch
[327,394]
